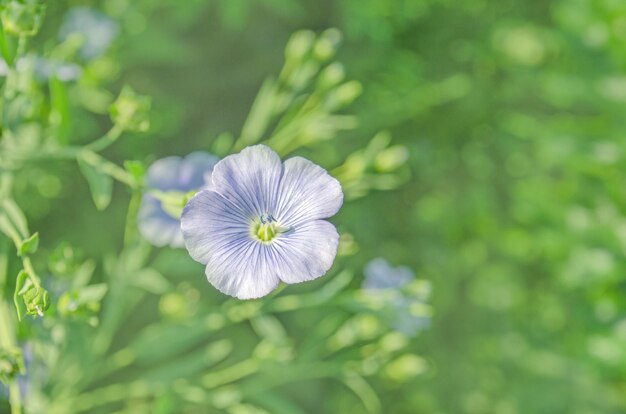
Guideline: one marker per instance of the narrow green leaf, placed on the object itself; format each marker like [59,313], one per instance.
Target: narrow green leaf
[93,293]
[20,307]
[16,217]
[100,184]
[5,50]
[60,114]
[364,391]
[151,281]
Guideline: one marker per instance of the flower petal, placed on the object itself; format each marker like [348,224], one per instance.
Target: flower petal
[209,222]
[156,226]
[194,170]
[163,174]
[307,192]
[244,269]
[306,252]
[249,179]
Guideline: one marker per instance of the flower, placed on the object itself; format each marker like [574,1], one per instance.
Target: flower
[169,181]
[380,275]
[261,222]
[96,29]
[44,69]
[403,295]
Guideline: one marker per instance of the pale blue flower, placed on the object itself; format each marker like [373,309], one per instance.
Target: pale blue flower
[171,177]
[96,29]
[380,275]
[261,222]
[44,69]
[404,294]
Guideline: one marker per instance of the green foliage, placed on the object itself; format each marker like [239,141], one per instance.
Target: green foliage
[480,143]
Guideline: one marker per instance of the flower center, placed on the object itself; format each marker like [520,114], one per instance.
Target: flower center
[266,228]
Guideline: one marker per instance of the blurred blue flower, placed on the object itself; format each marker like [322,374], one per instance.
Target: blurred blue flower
[261,221]
[44,69]
[96,29]
[404,294]
[380,275]
[171,178]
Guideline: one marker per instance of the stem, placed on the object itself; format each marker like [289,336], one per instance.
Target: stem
[32,275]
[15,398]
[107,139]
[113,393]
[21,47]
[7,340]
[130,229]
[233,373]
[108,167]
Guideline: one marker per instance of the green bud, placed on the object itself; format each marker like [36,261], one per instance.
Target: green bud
[62,260]
[11,364]
[22,18]
[326,45]
[299,45]
[405,368]
[29,245]
[131,111]
[83,303]
[391,158]
[331,76]
[343,95]
[36,299]
[174,306]
[29,297]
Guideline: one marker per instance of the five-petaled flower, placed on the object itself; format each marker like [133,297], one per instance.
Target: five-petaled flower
[402,294]
[260,222]
[169,181]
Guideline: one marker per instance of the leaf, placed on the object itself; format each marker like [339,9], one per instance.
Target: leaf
[151,281]
[93,293]
[60,116]
[364,391]
[275,403]
[15,216]
[4,47]
[29,245]
[20,307]
[100,184]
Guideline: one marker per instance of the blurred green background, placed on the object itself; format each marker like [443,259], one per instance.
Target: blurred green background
[514,115]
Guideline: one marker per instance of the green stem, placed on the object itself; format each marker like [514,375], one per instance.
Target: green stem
[231,374]
[108,167]
[21,47]
[8,341]
[28,267]
[107,139]
[15,398]
[130,229]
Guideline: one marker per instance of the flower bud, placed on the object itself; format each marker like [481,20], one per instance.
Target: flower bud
[326,45]
[131,111]
[11,364]
[299,45]
[36,300]
[391,158]
[331,76]
[22,18]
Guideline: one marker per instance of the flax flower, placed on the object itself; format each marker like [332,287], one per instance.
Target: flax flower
[169,180]
[402,293]
[260,222]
